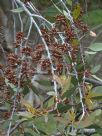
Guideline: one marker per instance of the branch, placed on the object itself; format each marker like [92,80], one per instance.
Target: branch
[97,108]
[16,126]
[87,132]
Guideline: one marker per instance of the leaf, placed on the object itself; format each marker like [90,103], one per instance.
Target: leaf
[71,116]
[86,122]
[48,127]
[45,82]
[30,131]
[61,120]
[58,79]
[50,102]
[69,2]
[63,81]
[95,94]
[96,47]
[42,132]
[98,112]
[46,118]
[65,13]
[25,90]
[30,109]
[92,95]
[96,135]
[90,52]
[76,11]
[98,89]
[63,108]
[94,76]
[68,93]
[95,69]
[25,114]
[28,106]
[51,93]
[13,87]
[5,124]
[17,10]
[66,84]
[89,103]
[56,7]
[27,134]
[97,128]
[51,12]
[34,89]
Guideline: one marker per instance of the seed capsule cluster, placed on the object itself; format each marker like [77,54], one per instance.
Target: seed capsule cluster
[27,50]
[13,59]
[19,38]
[11,75]
[56,48]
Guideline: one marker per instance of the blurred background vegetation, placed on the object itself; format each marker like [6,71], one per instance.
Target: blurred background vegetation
[92,8]
[94,14]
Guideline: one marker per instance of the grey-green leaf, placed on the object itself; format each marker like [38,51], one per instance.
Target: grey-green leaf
[90,52]
[17,10]
[96,47]
[95,69]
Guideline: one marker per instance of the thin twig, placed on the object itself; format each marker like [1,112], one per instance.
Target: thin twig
[18,76]
[16,126]
[76,74]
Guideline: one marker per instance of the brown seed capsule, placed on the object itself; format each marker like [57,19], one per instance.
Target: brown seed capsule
[27,51]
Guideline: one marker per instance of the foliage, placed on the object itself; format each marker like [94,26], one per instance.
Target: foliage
[93,18]
[46,92]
